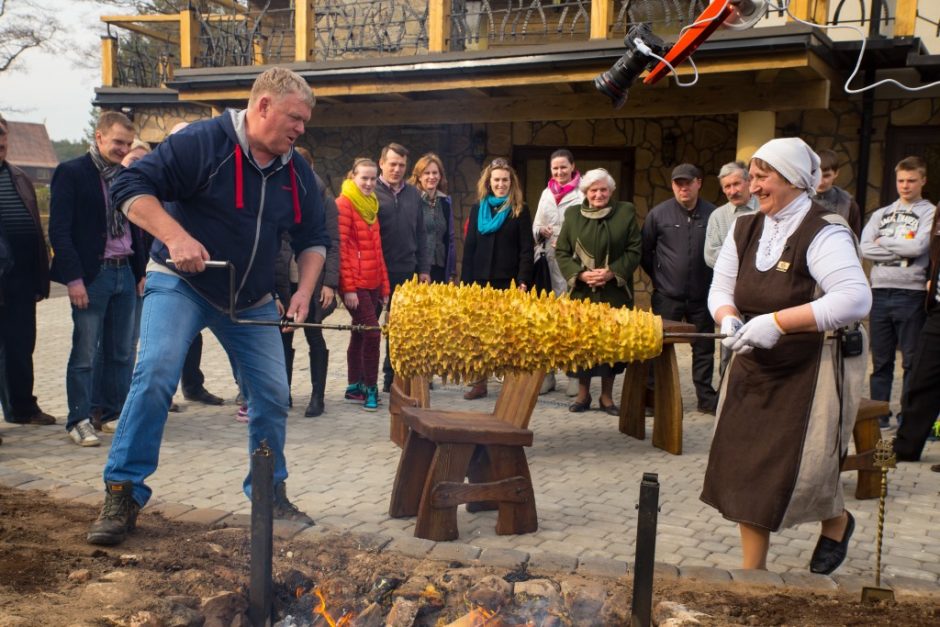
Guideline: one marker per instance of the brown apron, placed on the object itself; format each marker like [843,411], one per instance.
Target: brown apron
[767,408]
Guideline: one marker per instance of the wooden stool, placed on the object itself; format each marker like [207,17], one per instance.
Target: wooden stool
[866,435]
[667,395]
[444,447]
[411,392]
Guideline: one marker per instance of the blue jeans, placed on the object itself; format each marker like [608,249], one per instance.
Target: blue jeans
[173,314]
[896,318]
[109,413]
[108,320]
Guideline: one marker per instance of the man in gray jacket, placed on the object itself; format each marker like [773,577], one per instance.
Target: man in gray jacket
[896,239]
[401,221]
[735,183]
[673,256]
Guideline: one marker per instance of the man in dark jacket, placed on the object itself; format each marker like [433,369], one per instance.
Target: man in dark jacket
[21,286]
[93,247]
[920,403]
[674,258]
[236,185]
[404,239]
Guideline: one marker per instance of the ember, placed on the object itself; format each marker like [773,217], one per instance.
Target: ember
[321,610]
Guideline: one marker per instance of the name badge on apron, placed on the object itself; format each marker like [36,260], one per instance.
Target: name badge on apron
[783,266]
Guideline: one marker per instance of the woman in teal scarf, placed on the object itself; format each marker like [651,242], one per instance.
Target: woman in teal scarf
[598,250]
[498,247]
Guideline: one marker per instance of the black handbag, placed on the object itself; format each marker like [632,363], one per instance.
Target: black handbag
[541,273]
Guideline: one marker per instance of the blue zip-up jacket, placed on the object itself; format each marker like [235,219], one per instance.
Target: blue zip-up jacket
[197,170]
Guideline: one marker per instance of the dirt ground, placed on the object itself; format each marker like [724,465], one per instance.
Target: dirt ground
[49,576]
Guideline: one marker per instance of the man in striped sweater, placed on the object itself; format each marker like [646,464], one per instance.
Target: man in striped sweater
[21,286]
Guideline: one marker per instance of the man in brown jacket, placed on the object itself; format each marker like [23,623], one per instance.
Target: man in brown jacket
[22,285]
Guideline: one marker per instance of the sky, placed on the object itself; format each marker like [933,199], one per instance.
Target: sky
[55,88]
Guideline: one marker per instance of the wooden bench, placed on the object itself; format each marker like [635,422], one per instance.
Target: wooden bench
[443,447]
[866,434]
[667,394]
[405,392]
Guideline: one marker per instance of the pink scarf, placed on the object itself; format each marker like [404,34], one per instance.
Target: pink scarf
[560,191]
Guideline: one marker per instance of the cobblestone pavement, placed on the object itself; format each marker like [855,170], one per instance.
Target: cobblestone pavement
[585,473]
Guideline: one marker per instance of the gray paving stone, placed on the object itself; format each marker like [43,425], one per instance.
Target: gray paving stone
[541,561]
[207,517]
[412,547]
[911,587]
[756,577]
[809,580]
[601,567]
[661,570]
[504,558]
[450,551]
[853,584]
[169,510]
[705,573]
[14,479]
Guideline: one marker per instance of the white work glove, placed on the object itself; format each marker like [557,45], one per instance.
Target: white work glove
[730,325]
[761,332]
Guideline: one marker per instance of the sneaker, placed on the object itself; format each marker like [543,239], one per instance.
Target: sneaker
[285,510]
[109,426]
[355,393]
[242,414]
[83,434]
[372,399]
[118,516]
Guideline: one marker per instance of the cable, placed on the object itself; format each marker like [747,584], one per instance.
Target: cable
[642,47]
[861,53]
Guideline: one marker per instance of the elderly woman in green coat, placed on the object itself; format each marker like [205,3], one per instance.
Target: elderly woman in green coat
[598,250]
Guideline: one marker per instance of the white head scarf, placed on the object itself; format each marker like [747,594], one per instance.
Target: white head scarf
[794,160]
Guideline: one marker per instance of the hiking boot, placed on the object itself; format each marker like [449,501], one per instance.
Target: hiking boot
[118,516]
[83,434]
[372,399]
[285,510]
[355,393]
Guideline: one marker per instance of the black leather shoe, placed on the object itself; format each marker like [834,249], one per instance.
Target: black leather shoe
[829,554]
[202,395]
[611,409]
[579,407]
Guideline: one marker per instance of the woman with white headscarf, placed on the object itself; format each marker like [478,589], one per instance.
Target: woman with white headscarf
[788,277]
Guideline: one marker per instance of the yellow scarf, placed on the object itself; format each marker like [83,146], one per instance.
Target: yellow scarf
[367,206]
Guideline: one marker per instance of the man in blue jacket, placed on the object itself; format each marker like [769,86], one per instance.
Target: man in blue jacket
[235,184]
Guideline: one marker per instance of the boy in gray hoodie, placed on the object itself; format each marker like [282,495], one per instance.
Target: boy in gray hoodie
[896,240]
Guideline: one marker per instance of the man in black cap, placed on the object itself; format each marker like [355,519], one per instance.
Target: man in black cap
[673,257]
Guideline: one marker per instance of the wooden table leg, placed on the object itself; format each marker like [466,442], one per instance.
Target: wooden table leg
[633,400]
[449,465]
[866,435]
[667,422]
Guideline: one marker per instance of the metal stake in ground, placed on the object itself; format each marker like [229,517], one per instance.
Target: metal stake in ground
[262,536]
[884,458]
[645,550]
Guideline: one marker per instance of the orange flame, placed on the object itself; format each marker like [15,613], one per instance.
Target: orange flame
[321,610]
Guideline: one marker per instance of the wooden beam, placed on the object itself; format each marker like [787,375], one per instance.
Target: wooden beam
[602,16]
[816,11]
[165,18]
[452,80]
[305,23]
[189,38]
[109,68]
[168,38]
[644,103]
[905,18]
[438,25]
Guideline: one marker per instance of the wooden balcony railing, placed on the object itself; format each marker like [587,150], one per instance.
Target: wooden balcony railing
[225,33]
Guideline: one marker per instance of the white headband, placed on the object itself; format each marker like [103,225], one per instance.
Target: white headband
[794,160]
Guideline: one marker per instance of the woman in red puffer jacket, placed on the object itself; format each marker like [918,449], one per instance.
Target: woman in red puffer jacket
[363,280]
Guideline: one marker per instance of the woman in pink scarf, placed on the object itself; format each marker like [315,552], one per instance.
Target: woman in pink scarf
[562,192]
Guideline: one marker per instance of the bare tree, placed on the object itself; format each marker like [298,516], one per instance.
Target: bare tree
[23,25]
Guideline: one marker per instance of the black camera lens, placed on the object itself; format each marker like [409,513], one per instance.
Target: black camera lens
[615,83]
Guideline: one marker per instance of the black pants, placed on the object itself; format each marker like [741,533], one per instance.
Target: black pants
[18,340]
[920,404]
[394,280]
[703,351]
[192,379]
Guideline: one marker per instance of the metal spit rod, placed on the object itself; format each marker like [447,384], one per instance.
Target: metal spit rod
[668,335]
